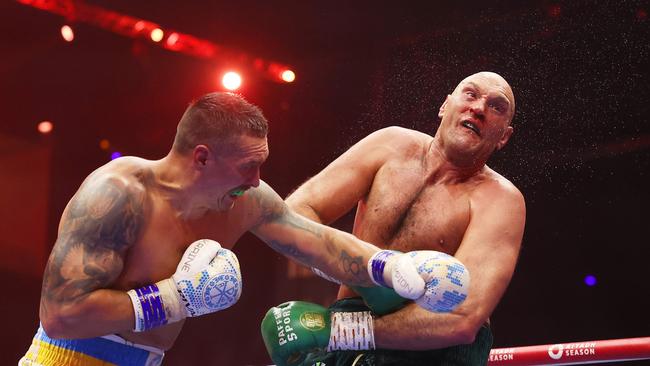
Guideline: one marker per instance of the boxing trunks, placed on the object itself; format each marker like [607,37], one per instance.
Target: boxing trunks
[100,351]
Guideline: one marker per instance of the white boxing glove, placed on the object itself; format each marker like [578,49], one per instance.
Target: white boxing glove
[447,280]
[207,280]
[393,269]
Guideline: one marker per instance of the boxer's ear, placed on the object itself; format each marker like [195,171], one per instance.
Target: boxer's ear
[441,111]
[200,156]
[505,137]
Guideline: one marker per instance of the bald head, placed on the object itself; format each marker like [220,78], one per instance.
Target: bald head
[493,80]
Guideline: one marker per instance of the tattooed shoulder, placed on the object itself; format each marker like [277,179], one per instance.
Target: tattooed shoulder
[107,212]
[101,222]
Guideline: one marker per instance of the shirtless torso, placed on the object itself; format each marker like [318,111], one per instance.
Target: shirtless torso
[411,205]
[408,197]
[162,236]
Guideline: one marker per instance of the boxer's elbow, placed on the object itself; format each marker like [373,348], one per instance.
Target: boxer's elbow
[305,210]
[59,322]
[466,330]
[54,326]
[465,336]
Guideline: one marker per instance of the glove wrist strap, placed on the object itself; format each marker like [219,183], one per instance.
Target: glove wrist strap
[148,308]
[351,331]
[377,267]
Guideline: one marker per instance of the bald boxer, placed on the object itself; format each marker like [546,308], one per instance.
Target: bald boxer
[414,191]
[144,244]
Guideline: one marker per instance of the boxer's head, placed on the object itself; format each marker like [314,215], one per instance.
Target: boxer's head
[215,118]
[476,116]
[224,136]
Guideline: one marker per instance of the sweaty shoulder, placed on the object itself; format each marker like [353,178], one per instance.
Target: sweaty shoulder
[121,184]
[129,172]
[108,210]
[495,187]
[399,141]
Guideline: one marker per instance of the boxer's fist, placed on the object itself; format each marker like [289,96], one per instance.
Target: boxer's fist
[294,329]
[447,280]
[389,268]
[446,284]
[207,279]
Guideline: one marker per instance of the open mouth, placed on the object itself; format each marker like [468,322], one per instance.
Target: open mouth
[470,125]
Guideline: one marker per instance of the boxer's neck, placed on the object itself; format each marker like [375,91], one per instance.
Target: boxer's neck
[446,168]
[176,181]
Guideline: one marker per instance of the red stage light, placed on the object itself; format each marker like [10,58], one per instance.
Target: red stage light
[45,127]
[231,80]
[172,39]
[67,33]
[139,25]
[157,35]
[288,76]
[104,144]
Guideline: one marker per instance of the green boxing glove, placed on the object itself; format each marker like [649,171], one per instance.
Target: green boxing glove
[294,329]
[381,300]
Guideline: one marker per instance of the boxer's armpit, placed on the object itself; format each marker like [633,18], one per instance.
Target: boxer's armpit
[100,223]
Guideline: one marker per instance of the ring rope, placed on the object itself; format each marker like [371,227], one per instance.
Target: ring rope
[573,353]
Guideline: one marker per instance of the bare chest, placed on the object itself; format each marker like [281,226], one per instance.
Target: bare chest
[404,211]
[164,240]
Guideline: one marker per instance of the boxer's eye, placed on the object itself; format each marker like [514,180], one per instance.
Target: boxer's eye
[500,108]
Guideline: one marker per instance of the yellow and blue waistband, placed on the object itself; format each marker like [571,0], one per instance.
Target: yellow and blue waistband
[100,351]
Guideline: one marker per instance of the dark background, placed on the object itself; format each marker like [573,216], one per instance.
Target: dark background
[580,152]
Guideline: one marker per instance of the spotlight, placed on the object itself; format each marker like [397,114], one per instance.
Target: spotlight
[104,144]
[67,33]
[45,127]
[157,35]
[231,80]
[590,280]
[115,155]
[172,39]
[288,76]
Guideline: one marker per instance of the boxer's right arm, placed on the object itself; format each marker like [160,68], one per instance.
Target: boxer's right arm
[337,188]
[97,228]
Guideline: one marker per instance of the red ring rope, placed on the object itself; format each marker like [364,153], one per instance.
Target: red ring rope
[573,353]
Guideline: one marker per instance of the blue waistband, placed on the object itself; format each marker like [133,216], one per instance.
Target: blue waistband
[104,349]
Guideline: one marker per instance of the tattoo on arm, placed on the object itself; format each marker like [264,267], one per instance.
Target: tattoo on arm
[290,250]
[101,222]
[333,248]
[352,265]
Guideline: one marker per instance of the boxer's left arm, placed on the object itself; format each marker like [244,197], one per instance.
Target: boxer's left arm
[339,254]
[489,250]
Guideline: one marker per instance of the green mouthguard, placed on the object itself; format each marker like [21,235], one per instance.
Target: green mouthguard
[238,192]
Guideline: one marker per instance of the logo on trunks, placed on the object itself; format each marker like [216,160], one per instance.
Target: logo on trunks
[557,351]
[312,321]
[221,291]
